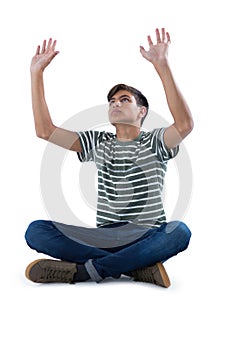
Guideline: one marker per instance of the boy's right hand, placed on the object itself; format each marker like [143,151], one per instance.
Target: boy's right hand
[44,56]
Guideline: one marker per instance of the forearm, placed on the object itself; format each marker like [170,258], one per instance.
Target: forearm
[177,105]
[43,122]
[44,126]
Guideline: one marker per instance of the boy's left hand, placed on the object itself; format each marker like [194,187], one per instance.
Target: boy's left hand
[157,53]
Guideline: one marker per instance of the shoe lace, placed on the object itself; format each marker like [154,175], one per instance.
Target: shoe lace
[145,275]
[60,275]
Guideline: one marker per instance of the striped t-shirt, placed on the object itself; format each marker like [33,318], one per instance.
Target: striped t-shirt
[130,176]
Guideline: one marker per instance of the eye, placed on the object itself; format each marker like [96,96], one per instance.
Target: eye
[125,99]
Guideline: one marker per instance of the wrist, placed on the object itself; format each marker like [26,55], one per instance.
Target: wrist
[35,71]
[161,64]
[162,67]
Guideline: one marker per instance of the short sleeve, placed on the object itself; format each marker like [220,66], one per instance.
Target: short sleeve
[159,147]
[90,140]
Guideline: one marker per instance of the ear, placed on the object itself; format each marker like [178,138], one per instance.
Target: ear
[142,112]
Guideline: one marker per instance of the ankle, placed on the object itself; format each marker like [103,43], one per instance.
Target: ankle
[81,275]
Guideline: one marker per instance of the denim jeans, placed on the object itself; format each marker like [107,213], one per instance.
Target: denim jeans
[111,250]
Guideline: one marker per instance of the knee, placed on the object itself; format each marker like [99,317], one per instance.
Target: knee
[33,233]
[181,231]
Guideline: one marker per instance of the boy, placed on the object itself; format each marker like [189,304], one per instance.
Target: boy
[132,236]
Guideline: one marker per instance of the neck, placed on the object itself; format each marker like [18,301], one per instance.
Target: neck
[127,132]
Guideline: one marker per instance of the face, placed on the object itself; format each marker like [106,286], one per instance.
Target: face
[123,109]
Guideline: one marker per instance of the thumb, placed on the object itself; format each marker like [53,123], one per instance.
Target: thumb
[143,51]
[54,54]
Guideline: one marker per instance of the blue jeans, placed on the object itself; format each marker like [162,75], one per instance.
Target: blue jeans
[111,250]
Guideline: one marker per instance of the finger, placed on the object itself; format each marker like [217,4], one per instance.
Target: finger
[149,40]
[54,54]
[142,50]
[163,34]
[49,44]
[158,36]
[38,50]
[54,45]
[43,46]
[168,38]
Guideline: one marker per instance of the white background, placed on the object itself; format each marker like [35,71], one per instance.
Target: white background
[99,47]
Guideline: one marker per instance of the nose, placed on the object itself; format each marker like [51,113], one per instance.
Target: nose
[116,103]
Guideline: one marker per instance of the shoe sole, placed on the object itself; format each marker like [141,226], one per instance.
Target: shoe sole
[152,274]
[34,271]
[29,267]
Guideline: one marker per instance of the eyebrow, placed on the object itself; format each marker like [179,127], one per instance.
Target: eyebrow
[112,99]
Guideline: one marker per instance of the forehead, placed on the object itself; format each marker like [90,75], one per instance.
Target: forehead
[120,93]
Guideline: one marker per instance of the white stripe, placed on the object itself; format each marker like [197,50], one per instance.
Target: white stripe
[131,207]
[156,166]
[115,183]
[144,212]
[127,196]
[104,173]
[130,188]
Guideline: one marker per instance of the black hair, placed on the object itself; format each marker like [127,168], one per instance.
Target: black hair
[139,97]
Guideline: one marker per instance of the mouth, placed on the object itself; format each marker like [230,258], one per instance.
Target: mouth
[116,111]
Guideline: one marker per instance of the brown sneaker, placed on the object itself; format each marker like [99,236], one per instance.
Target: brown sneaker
[152,274]
[48,270]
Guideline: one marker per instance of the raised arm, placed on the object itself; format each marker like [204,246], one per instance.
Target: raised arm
[158,56]
[44,126]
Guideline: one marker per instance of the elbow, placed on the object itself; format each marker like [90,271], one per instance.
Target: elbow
[186,128]
[189,125]
[44,134]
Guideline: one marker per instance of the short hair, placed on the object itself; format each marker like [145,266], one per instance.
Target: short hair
[139,97]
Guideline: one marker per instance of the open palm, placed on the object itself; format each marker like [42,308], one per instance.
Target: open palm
[44,55]
[157,52]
